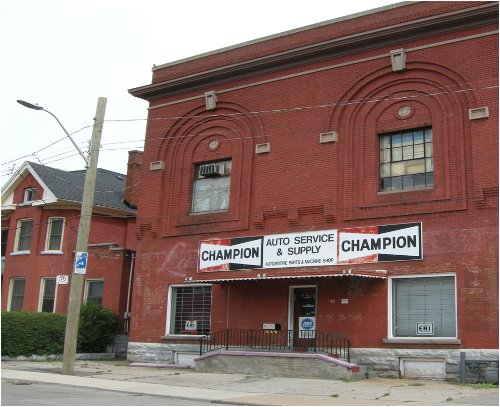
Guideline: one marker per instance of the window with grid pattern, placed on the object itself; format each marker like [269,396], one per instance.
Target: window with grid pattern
[191,304]
[406,160]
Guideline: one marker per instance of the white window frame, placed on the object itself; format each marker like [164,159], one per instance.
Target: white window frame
[29,192]
[18,235]
[48,235]
[390,307]
[199,178]
[11,287]
[169,307]
[42,293]
[88,282]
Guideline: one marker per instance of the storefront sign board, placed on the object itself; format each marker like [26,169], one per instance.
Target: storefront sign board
[314,248]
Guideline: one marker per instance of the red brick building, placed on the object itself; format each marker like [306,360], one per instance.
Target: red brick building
[339,178]
[40,219]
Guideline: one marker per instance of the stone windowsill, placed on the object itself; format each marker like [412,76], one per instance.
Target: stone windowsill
[191,338]
[424,341]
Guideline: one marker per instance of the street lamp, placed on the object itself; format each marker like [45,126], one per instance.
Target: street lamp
[36,107]
[75,295]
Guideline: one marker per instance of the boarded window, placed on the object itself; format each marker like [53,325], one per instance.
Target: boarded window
[211,187]
[424,306]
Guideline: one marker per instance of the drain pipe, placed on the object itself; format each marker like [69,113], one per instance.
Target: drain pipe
[127,311]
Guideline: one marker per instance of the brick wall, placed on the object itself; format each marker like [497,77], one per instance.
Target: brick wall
[302,184]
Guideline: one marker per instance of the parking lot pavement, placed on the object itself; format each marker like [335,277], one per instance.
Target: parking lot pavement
[182,382]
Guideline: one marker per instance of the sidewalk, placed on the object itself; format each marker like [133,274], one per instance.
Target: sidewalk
[237,389]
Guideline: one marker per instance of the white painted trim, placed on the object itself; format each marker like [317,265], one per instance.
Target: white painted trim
[48,232]
[18,232]
[11,283]
[43,280]
[390,305]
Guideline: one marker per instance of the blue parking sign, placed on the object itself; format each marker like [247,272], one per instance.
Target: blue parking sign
[81,262]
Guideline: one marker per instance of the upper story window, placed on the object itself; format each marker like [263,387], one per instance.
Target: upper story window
[54,234]
[211,187]
[24,230]
[5,234]
[406,160]
[29,195]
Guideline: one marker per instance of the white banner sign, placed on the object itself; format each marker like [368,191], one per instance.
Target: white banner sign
[315,248]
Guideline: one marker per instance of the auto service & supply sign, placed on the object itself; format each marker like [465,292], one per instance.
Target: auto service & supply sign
[371,244]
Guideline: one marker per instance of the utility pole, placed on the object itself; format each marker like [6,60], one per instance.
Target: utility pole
[77,278]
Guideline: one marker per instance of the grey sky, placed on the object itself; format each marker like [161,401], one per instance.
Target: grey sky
[64,54]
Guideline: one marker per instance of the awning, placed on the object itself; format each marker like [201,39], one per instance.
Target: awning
[380,274]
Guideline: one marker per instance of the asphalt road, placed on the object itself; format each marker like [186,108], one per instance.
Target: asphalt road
[22,393]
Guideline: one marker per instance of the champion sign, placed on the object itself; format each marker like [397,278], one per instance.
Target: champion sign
[318,248]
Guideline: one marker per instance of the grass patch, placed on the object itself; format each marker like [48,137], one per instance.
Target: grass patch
[19,382]
[334,395]
[449,399]
[416,384]
[385,395]
[483,385]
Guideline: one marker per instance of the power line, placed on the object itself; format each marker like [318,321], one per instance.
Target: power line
[223,116]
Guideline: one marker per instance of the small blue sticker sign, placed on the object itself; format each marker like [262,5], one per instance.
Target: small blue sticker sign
[307,327]
[81,262]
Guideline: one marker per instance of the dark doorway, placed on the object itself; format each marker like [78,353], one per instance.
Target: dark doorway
[304,318]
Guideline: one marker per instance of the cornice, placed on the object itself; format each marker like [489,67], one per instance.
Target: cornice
[351,44]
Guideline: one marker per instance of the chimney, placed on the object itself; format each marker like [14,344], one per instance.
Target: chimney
[133,178]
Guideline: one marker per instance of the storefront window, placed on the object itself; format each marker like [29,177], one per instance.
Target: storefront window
[424,307]
[190,310]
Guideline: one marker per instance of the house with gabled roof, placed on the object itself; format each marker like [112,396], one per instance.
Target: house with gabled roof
[40,218]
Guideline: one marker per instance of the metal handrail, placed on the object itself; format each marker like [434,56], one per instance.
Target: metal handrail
[277,341]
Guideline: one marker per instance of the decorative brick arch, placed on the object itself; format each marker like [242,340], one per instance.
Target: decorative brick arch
[232,130]
[436,96]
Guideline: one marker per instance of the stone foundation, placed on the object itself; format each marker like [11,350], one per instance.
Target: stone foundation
[162,352]
[374,361]
[387,362]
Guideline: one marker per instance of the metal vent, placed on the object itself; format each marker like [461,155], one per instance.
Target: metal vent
[398,60]
[262,148]
[479,113]
[157,166]
[211,170]
[330,137]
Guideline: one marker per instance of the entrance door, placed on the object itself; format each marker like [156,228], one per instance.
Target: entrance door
[304,317]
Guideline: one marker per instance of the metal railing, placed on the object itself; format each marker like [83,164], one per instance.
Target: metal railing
[277,341]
